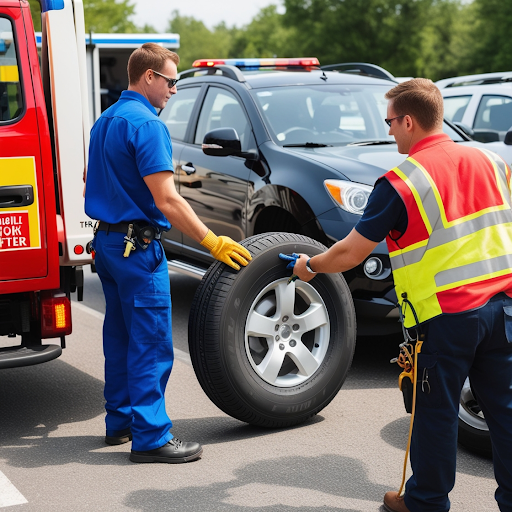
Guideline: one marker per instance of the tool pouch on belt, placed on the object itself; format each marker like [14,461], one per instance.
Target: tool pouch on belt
[144,235]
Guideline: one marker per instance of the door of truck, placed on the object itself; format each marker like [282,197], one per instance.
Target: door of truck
[25,196]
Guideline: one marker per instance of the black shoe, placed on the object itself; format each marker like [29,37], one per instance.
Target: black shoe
[174,452]
[119,437]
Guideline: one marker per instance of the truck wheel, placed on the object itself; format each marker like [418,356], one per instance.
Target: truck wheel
[266,352]
[473,429]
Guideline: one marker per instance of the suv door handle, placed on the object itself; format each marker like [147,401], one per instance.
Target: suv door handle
[188,168]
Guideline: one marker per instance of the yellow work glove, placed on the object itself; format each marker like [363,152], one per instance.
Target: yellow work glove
[225,249]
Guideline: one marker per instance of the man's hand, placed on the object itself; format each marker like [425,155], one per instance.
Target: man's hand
[225,249]
[300,269]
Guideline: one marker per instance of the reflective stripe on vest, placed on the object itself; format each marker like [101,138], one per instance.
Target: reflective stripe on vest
[467,250]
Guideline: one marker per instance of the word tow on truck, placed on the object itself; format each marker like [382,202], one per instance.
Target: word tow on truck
[44,136]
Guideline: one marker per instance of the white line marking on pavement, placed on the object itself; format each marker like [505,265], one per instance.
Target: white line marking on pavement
[9,495]
[178,354]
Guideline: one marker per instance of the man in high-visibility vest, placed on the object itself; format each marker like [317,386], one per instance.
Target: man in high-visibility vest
[446,215]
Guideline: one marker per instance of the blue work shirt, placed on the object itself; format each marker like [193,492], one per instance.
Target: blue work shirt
[384,212]
[129,141]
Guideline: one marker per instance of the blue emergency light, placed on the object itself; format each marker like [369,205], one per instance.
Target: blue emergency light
[254,64]
[52,5]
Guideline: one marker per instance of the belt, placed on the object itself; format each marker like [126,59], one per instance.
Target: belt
[122,227]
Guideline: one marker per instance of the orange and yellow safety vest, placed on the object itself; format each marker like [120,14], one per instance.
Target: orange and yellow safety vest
[456,252]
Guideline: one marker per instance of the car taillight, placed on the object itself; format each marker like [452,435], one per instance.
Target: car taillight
[55,317]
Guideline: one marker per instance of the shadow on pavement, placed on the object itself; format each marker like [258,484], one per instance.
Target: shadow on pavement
[276,485]
[35,400]
[371,368]
[396,434]
[215,429]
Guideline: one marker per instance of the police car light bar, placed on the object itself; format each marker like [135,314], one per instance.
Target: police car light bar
[301,62]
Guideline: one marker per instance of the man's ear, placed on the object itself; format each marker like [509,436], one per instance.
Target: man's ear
[148,76]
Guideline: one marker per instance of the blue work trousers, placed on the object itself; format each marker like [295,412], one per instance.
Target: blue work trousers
[137,339]
[479,344]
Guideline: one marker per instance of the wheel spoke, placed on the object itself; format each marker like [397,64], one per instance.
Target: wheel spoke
[285,299]
[271,364]
[315,316]
[304,359]
[260,325]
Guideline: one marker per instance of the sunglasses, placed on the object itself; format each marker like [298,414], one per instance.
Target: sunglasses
[388,121]
[171,82]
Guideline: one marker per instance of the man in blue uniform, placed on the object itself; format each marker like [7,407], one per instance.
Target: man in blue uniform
[130,189]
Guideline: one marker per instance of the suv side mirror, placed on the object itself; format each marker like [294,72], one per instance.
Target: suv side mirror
[508,138]
[222,142]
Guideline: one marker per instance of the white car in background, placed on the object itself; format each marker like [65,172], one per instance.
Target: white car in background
[481,105]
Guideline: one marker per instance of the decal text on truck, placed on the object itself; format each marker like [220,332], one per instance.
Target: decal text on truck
[19,227]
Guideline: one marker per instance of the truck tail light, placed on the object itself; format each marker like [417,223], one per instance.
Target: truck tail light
[55,317]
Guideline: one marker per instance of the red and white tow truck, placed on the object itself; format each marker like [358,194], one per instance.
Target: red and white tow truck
[44,135]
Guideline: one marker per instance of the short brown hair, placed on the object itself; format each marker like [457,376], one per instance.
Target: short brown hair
[148,56]
[419,98]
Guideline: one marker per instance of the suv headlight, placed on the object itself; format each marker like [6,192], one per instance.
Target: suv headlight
[352,197]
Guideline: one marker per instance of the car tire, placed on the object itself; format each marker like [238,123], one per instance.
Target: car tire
[301,358]
[473,430]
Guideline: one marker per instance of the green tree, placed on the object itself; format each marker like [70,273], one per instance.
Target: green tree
[266,36]
[109,16]
[101,16]
[491,34]
[197,41]
[341,31]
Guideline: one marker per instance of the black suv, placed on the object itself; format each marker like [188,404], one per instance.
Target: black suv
[312,144]
[282,160]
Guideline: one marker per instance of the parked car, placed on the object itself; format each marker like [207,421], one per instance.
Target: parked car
[314,142]
[283,156]
[482,106]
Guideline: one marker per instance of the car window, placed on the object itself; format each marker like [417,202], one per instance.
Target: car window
[222,109]
[11,99]
[455,106]
[494,113]
[326,114]
[176,114]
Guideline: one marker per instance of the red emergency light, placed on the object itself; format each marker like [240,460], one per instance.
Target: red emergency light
[55,317]
[298,62]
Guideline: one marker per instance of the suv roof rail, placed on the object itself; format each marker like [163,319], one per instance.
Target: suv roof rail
[360,68]
[225,70]
[479,79]
[482,81]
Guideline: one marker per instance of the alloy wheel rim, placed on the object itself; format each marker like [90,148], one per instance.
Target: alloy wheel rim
[287,333]
[469,410]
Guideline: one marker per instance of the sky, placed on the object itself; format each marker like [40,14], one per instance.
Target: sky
[210,12]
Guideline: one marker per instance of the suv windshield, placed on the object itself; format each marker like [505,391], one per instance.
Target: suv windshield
[331,115]
[324,114]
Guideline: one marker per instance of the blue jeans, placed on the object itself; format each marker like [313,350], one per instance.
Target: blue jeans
[479,344]
[137,339]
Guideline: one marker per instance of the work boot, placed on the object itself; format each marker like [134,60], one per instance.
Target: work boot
[174,452]
[394,503]
[114,437]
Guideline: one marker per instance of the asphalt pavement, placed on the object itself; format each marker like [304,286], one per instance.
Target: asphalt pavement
[53,458]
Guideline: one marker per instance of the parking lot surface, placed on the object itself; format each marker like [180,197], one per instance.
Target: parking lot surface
[53,458]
